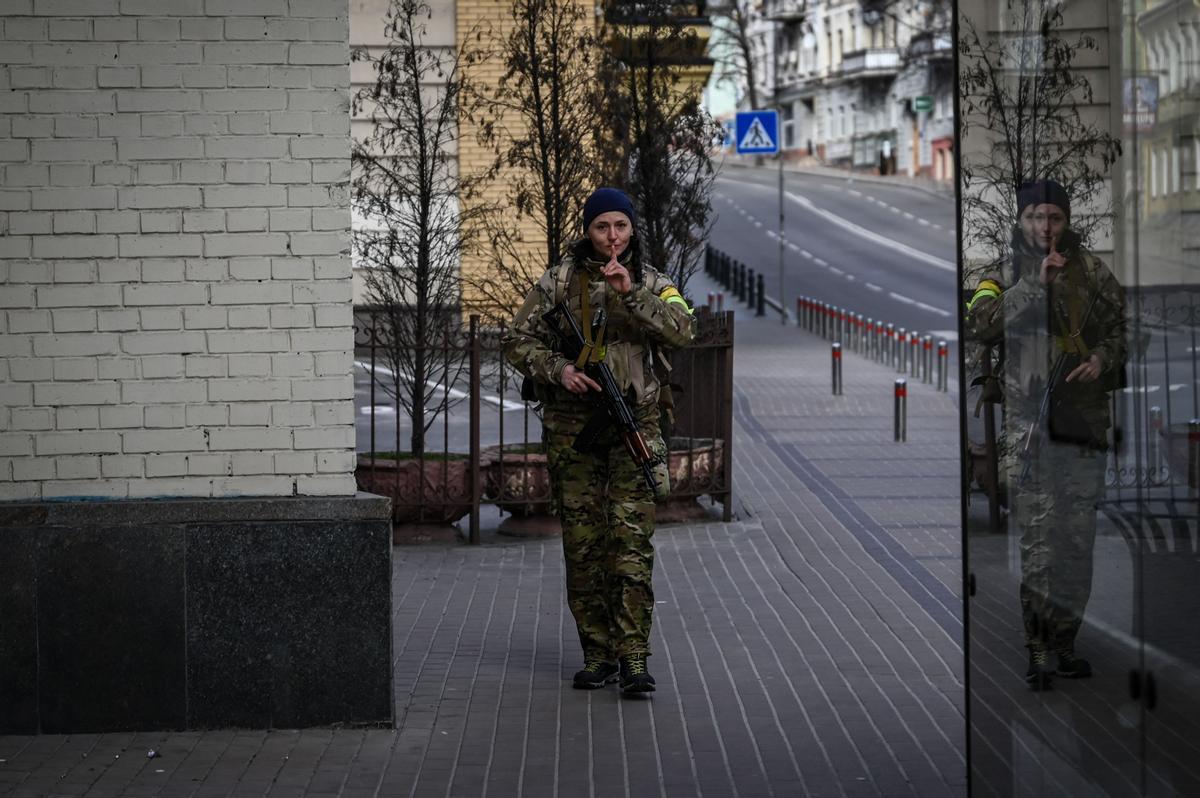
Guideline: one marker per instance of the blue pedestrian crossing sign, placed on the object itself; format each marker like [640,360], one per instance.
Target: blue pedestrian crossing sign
[757,133]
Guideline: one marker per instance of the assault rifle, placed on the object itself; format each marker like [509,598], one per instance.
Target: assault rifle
[1033,434]
[612,409]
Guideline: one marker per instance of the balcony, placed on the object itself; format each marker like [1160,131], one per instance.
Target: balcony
[786,10]
[879,63]
[631,36]
[632,12]
[931,46]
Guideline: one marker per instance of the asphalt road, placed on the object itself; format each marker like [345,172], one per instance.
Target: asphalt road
[852,244]
[887,252]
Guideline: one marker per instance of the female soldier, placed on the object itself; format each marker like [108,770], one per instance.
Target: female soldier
[603,501]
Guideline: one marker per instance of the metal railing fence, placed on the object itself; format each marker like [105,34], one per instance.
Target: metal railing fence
[483,443]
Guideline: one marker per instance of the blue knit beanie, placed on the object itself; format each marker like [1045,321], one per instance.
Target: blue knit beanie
[1043,192]
[604,200]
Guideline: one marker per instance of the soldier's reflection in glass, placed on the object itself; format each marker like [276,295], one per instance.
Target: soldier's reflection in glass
[1060,315]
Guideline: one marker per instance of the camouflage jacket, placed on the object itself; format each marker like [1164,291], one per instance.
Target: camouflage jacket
[651,316]
[1010,306]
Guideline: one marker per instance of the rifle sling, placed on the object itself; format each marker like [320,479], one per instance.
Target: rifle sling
[592,351]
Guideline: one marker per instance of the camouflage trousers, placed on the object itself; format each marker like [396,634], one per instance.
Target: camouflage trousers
[1055,511]
[607,515]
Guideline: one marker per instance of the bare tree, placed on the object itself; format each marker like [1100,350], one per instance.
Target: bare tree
[733,49]
[667,160]
[541,118]
[417,215]
[1021,94]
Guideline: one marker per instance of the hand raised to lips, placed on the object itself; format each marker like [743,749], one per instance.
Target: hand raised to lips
[617,275]
[1051,264]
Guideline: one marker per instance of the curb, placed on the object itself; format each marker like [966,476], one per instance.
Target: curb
[933,190]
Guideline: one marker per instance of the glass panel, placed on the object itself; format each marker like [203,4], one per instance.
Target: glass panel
[1083,397]
[1160,232]
[1054,620]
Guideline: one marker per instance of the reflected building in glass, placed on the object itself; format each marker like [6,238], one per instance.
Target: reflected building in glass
[1080,202]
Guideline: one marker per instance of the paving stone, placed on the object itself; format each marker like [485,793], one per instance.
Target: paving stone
[810,647]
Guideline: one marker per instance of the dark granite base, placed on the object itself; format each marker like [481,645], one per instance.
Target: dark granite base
[271,613]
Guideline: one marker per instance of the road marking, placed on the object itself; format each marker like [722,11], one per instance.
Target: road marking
[820,262]
[923,221]
[932,309]
[923,306]
[944,335]
[380,410]
[757,223]
[806,253]
[1143,389]
[851,277]
[854,193]
[884,241]
[873,287]
[835,270]
[908,215]
[454,392]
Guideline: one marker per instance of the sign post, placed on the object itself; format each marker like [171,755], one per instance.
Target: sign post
[757,133]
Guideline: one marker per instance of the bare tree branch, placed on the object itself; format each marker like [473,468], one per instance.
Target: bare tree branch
[417,218]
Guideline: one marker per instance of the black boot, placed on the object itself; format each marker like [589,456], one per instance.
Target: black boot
[1071,666]
[634,676]
[597,672]
[1040,674]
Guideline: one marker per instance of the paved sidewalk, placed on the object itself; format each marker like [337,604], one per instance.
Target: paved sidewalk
[811,647]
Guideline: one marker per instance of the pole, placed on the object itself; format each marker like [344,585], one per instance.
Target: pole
[782,312]
[836,352]
[901,410]
[943,379]
[475,452]
[926,359]
[1154,444]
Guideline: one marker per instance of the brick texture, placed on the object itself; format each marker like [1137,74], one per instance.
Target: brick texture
[166,292]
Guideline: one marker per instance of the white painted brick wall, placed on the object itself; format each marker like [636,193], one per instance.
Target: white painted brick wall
[174,263]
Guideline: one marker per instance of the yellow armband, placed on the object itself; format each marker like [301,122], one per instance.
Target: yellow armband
[671,295]
[986,288]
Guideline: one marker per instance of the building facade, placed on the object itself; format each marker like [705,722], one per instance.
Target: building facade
[860,84]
